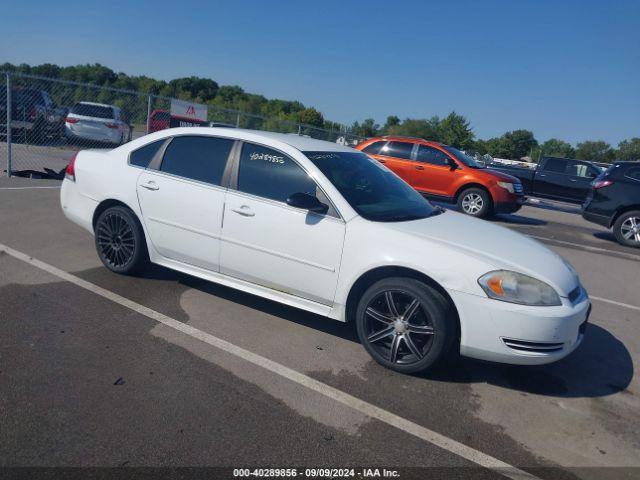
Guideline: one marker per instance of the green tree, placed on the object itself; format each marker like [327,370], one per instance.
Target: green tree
[311,116]
[595,151]
[629,149]
[455,130]
[392,121]
[557,148]
[420,128]
[519,143]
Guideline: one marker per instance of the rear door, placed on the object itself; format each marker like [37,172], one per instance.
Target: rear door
[433,173]
[579,176]
[397,156]
[182,199]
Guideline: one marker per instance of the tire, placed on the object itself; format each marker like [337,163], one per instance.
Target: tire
[475,202]
[627,229]
[120,241]
[420,336]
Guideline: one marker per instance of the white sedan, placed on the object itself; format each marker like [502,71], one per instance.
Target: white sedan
[324,228]
[97,122]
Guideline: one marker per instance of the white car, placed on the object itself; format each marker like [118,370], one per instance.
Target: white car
[97,122]
[324,228]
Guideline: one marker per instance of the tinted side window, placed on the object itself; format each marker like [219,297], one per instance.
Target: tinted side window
[398,150]
[555,165]
[374,148]
[633,173]
[142,156]
[197,158]
[432,155]
[270,174]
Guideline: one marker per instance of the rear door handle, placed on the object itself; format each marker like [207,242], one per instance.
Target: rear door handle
[382,161]
[244,210]
[419,167]
[150,186]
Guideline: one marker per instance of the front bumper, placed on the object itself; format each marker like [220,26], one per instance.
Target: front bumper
[510,206]
[517,334]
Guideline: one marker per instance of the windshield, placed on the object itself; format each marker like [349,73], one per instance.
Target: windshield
[468,160]
[371,189]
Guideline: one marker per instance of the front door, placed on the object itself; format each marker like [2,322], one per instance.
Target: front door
[267,242]
[182,202]
[434,174]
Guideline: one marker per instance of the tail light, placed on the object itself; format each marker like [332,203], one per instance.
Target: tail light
[70,172]
[71,120]
[601,183]
[111,125]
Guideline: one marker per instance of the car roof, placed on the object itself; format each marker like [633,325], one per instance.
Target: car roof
[97,104]
[401,138]
[299,142]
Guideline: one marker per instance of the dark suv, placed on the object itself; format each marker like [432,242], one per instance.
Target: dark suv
[614,202]
[34,115]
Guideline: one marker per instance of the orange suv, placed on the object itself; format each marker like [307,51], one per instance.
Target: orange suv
[445,173]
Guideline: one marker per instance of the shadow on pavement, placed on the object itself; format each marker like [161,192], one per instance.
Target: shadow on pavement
[516,219]
[600,366]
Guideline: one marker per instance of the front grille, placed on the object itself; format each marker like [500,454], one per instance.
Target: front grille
[517,188]
[533,347]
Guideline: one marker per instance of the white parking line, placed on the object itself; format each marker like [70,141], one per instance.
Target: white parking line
[589,248]
[355,403]
[613,302]
[25,188]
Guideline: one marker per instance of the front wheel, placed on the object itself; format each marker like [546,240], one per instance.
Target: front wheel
[627,229]
[475,202]
[404,324]
[120,241]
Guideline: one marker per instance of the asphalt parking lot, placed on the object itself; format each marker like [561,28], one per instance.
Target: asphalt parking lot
[165,369]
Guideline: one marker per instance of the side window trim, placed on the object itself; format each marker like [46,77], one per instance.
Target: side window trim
[156,161]
[153,159]
[235,169]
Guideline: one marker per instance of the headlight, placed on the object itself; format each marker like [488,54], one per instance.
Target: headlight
[507,186]
[515,287]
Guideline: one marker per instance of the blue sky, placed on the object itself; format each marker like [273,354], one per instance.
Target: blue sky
[567,69]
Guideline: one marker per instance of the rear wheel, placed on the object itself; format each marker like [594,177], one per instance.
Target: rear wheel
[475,202]
[627,229]
[404,324]
[120,241]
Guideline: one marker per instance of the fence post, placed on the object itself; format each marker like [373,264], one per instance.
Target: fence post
[238,120]
[148,113]
[299,129]
[8,120]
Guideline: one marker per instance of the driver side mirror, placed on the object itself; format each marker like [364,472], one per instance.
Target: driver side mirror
[304,201]
[452,164]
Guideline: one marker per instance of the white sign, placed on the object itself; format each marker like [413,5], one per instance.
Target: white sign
[188,110]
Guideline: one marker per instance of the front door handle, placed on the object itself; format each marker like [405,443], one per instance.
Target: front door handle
[150,186]
[244,210]
[419,167]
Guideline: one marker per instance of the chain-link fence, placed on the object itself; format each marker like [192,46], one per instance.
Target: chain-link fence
[51,119]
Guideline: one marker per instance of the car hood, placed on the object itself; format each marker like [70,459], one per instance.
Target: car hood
[500,247]
[499,176]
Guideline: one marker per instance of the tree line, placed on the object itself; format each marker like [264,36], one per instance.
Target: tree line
[454,129]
